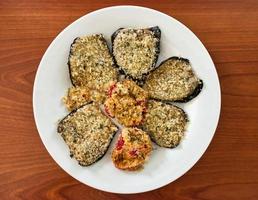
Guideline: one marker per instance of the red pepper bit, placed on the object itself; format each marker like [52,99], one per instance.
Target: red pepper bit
[120,143]
[107,111]
[111,89]
[133,152]
[141,102]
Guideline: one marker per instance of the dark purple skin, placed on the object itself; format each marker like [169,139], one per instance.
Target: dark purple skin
[195,93]
[68,63]
[59,130]
[157,34]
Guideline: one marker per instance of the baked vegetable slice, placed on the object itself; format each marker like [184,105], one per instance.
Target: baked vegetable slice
[132,149]
[91,63]
[174,80]
[126,102]
[165,123]
[136,50]
[88,133]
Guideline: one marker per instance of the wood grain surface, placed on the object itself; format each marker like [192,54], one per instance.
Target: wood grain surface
[229,168]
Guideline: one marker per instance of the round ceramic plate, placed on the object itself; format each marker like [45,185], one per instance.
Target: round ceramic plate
[164,165]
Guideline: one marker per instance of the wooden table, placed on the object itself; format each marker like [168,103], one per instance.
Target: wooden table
[229,168]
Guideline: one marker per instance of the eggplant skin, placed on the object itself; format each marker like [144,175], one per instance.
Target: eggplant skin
[189,97]
[60,129]
[68,63]
[157,34]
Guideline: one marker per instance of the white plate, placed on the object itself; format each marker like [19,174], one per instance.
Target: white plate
[165,165]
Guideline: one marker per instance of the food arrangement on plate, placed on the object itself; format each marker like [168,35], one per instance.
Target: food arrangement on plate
[126,86]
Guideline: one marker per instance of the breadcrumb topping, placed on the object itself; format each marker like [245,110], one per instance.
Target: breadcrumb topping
[91,63]
[165,123]
[173,80]
[127,103]
[132,149]
[88,133]
[135,51]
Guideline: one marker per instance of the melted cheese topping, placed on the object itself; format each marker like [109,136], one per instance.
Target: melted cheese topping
[165,123]
[135,51]
[127,103]
[88,133]
[173,80]
[132,149]
[91,63]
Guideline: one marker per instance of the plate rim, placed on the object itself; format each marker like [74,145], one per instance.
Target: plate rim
[160,13]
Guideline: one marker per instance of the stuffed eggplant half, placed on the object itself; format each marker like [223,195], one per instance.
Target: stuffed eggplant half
[136,50]
[88,133]
[90,62]
[165,123]
[174,81]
